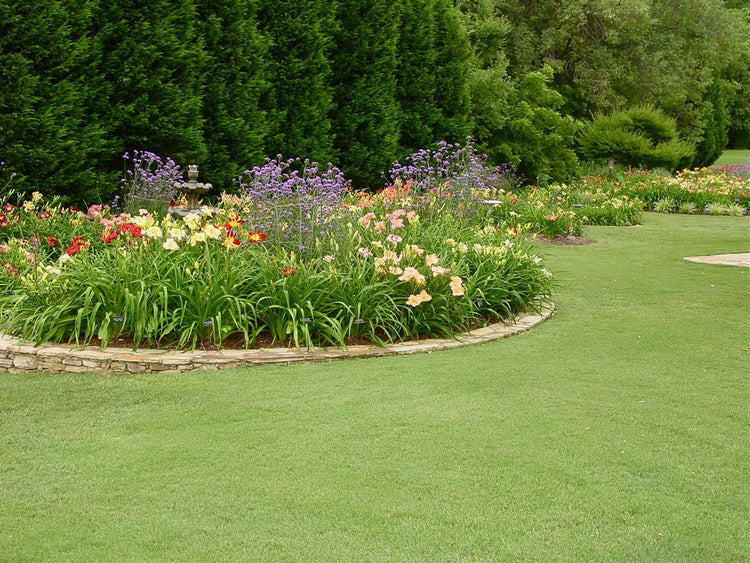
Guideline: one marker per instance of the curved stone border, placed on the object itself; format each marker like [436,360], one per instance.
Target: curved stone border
[19,356]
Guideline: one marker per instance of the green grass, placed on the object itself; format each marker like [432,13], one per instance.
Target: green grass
[733,157]
[615,431]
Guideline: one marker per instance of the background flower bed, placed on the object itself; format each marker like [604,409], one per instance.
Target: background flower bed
[725,189]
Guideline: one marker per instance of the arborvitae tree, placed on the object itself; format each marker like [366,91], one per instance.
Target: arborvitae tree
[299,101]
[365,118]
[234,83]
[715,128]
[150,63]
[451,74]
[416,89]
[46,134]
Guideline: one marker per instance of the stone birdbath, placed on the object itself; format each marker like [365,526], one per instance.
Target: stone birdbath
[192,190]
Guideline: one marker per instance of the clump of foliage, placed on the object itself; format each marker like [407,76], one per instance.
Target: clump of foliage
[638,137]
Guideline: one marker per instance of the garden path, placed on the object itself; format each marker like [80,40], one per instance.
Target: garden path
[741,259]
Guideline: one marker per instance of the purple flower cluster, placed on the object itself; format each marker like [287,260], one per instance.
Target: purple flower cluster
[149,179]
[739,170]
[452,168]
[293,200]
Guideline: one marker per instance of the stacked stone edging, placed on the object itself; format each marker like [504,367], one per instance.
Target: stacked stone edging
[19,356]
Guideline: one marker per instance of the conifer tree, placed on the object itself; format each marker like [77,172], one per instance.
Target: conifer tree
[364,76]
[47,137]
[416,88]
[150,60]
[451,74]
[300,99]
[234,77]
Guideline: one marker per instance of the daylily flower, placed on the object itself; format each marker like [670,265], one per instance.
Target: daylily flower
[231,240]
[131,228]
[212,232]
[109,236]
[416,300]
[256,237]
[457,287]
[233,222]
[412,274]
[170,244]
[177,233]
[195,238]
[153,232]
[431,260]
[76,245]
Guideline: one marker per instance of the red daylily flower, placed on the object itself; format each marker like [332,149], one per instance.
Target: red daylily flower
[45,215]
[257,236]
[231,240]
[131,228]
[233,222]
[51,241]
[289,272]
[76,245]
[109,236]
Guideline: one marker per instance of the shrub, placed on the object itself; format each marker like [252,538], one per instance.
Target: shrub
[639,137]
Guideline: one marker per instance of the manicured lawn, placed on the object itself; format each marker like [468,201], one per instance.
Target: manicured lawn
[616,431]
[733,157]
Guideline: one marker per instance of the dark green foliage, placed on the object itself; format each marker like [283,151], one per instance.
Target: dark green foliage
[150,60]
[299,101]
[715,136]
[516,119]
[416,87]
[536,136]
[47,136]
[433,62]
[638,137]
[452,65]
[364,76]
[234,81]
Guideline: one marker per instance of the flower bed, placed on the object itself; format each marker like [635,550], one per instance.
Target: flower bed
[723,191]
[313,265]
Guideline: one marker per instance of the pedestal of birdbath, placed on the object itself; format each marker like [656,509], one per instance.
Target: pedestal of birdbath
[192,190]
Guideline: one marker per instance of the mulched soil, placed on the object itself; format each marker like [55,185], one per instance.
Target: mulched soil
[561,240]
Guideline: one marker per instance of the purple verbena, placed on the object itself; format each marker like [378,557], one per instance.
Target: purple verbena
[294,200]
[452,169]
[149,179]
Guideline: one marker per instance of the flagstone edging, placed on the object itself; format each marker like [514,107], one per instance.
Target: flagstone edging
[19,356]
